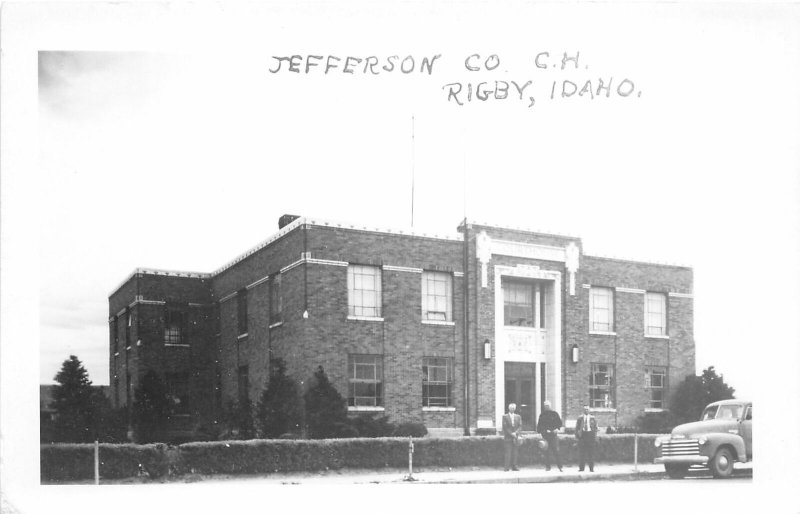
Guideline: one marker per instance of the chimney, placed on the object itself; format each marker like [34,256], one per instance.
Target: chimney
[286,219]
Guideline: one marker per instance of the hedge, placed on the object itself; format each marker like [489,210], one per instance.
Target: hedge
[62,462]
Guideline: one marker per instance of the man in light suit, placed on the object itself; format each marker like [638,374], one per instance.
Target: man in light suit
[586,433]
[512,425]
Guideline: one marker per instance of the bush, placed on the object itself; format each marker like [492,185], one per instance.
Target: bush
[325,407]
[410,430]
[279,409]
[367,425]
[62,462]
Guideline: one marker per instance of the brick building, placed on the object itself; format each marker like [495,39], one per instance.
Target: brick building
[443,330]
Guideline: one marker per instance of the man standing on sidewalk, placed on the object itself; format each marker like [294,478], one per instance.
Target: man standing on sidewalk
[586,432]
[512,424]
[548,425]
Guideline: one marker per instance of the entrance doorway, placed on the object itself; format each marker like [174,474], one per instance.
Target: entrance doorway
[520,388]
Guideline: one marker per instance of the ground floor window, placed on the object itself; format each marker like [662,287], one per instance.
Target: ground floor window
[601,386]
[365,377]
[244,384]
[655,379]
[437,382]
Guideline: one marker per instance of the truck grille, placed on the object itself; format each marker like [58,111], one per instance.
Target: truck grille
[679,447]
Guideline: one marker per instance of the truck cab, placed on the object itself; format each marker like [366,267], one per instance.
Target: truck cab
[723,435]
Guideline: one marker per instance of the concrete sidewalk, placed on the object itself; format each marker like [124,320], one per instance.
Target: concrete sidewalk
[474,475]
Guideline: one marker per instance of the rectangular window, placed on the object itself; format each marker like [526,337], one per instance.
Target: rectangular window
[116,392]
[365,376]
[275,302]
[523,304]
[655,382]
[655,316]
[437,382]
[128,322]
[601,309]
[241,310]
[364,291]
[244,384]
[437,296]
[115,334]
[173,327]
[177,385]
[601,386]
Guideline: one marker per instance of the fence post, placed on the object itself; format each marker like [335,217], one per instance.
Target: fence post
[96,462]
[636,452]
[410,476]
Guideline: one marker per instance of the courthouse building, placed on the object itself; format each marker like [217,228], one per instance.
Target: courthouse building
[442,330]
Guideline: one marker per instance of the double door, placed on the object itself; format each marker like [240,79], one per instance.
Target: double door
[520,388]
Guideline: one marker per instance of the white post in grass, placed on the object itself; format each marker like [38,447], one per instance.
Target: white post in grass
[636,452]
[410,476]
[96,462]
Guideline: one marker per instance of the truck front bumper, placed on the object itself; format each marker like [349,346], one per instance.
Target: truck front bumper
[683,459]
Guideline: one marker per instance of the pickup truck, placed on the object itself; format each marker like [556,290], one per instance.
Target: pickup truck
[723,436]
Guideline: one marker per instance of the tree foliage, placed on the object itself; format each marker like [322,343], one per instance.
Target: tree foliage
[76,403]
[279,409]
[326,409]
[695,392]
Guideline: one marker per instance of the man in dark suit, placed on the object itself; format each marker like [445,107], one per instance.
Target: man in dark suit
[586,433]
[549,423]
[512,425]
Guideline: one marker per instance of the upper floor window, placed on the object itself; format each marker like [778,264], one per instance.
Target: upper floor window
[655,379]
[364,291]
[128,324]
[655,316]
[174,327]
[523,304]
[437,382]
[365,377]
[601,309]
[241,311]
[115,334]
[437,296]
[601,386]
[275,302]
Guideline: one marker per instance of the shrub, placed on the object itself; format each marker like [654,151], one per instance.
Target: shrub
[279,409]
[61,462]
[368,425]
[410,430]
[324,407]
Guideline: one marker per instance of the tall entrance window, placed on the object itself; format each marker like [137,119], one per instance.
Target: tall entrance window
[523,303]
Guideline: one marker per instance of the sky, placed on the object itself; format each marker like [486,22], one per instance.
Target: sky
[154,135]
[183,160]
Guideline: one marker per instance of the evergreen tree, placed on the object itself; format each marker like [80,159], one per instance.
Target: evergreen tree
[695,392]
[326,409]
[279,408]
[151,409]
[73,400]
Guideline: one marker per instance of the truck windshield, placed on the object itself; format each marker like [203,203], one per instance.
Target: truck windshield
[722,412]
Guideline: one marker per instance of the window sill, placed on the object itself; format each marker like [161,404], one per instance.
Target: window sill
[599,333]
[365,409]
[438,409]
[653,409]
[602,409]
[177,345]
[241,336]
[116,354]
[363,318]
[276,324]
[654,336]
[439,323]
[127,348]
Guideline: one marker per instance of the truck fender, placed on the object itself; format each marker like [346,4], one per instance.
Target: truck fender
[734,440]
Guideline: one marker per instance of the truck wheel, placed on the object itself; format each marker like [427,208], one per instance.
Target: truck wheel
[722,463]
[676,471]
